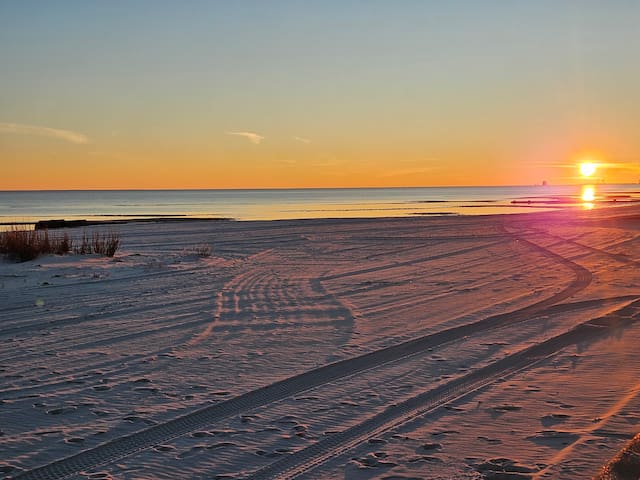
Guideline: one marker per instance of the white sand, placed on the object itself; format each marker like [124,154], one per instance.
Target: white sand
[94,349]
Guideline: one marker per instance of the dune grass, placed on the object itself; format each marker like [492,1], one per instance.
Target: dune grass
[103,244]
[25,245]
[202,251]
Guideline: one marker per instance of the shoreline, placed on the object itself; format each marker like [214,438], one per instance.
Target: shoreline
[62,223]
[601,213]
[176,218]
[29,207]
[55,224]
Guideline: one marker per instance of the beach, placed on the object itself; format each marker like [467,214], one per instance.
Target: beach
[467,347]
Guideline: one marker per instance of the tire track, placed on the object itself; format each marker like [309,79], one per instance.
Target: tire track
[336,445]
[596,250]
[161,433]
[600,251]
[400,303]
[98,308]
[227,301]
[76,289]
[89,318]
[413,261]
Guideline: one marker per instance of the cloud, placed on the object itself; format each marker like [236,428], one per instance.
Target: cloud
[251,136]
[326,164]
[633,166]
[66,135]
[302,140]
[405,172]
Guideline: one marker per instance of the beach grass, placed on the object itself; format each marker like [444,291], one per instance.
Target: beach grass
[24,245]
[103,244]
[202,251]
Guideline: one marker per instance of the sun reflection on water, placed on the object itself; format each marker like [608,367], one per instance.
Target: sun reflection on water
[588,196]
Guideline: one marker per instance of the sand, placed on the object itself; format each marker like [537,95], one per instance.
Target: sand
[458,347]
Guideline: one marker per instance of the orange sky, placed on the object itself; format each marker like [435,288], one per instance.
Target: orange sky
[291,95]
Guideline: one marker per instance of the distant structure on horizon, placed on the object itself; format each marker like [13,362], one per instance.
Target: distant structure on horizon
[544,183]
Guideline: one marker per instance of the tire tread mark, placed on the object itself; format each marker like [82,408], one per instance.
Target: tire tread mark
[413,261]
[336,445]
[124,446]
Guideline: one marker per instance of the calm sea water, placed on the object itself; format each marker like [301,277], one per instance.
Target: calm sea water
[30,206]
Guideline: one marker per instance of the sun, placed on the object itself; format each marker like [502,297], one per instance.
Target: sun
[587,169]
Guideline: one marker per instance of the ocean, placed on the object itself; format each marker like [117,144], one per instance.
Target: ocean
[27,207]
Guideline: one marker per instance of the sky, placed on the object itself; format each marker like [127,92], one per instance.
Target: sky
[295,94]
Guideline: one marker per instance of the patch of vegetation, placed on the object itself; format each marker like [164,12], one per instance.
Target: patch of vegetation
[203,251]
[25,245]
[102,244]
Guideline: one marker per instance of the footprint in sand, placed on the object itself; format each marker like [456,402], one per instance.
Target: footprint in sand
[500,410]
[164,448]
[496,468]
[554,438]
[146,389]
[430,446]
[377,441]
[300,430]
[440,433]
[490,441]
[554,418]
[373,461]
[191,451]
[99,476]
[61,410]
[74,440]
[215,446]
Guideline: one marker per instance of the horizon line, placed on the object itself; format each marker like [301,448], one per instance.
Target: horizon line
[107,189]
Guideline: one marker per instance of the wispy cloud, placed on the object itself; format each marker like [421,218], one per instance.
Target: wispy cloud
[326,163]
[251,136]
[405,172]
[634,166]
[302,140]
[66,135]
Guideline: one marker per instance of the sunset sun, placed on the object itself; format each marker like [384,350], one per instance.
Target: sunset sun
[587,169]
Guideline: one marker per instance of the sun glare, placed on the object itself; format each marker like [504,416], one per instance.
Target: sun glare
[588,196]
[588,168]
